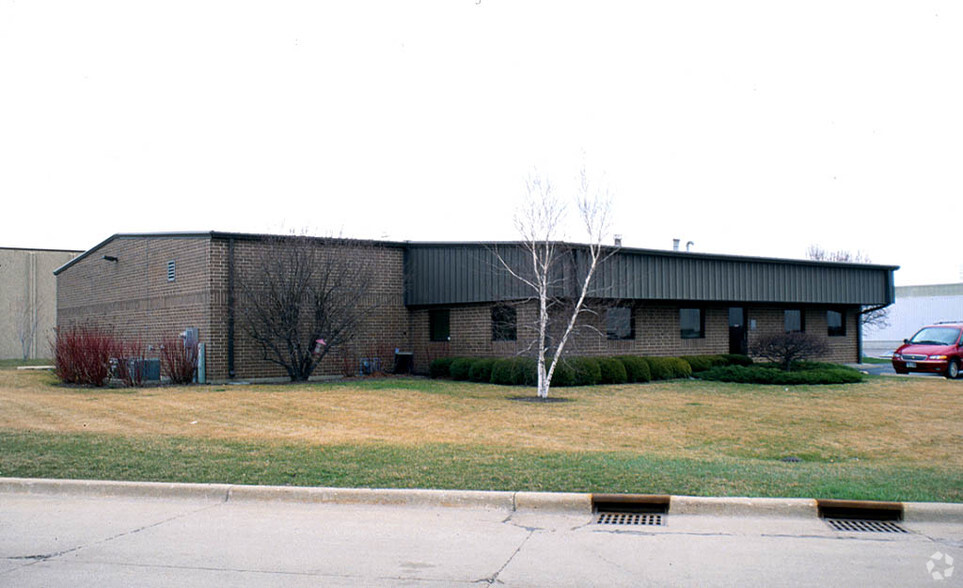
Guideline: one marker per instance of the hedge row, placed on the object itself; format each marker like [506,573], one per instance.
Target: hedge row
[579,371]
[803,373]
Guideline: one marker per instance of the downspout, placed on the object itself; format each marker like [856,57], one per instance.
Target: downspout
[230,308]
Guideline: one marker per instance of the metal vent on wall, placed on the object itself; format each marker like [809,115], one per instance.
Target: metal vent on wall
[170,271]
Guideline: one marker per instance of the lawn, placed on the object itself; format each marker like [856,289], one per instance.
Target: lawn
[886,439]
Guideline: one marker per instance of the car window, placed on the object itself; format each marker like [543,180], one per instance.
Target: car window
[936,336]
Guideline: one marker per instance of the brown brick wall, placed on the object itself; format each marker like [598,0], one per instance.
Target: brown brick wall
[657,333]
[383,332]
[769,320]
[133,295]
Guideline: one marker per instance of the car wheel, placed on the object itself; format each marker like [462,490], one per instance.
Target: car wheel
[953,369]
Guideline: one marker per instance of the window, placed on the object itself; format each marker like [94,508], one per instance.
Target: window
[170,271]
[795,322]
[836,321]
[504,323]
[438,324]
[692,323]
[619,323]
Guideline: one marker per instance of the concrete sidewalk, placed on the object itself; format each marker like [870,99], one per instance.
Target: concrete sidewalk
[120,534]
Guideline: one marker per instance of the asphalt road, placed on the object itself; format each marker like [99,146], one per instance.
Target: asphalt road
[127,541]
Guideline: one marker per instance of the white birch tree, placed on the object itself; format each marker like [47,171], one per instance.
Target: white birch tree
[539,221]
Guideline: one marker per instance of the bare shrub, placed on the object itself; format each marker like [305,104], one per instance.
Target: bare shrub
[786,348]
[82,354]
[179,359]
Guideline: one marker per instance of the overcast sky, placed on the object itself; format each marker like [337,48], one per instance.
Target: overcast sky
[753,128]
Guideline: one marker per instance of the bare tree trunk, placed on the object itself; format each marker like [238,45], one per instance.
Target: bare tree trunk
[539,223]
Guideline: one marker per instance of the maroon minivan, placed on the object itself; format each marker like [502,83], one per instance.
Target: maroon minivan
[936,349]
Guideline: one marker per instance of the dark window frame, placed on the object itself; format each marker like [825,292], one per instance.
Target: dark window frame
[836,331]
[685,333]
[504,323]
[612,334]
[802,320]
[439,325]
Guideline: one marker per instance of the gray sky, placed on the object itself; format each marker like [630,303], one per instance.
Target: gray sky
[752,128]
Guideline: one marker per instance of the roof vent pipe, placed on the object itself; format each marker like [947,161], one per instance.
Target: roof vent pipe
[675,244]
[618,240]
[688,246]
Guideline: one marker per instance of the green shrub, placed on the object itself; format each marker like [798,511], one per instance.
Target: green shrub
[701,363]
[440,368]
[502,371]
[587,371]
[525,372]
[668,368]
[612,371]
[481,370]
[514,371]
[804,373]
[460,367]
[636,368]
[737,359]
[564,374]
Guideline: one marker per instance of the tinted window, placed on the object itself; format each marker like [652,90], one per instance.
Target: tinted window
[691,323]
[836,322]
[794,321]
[504,323]
[618,323]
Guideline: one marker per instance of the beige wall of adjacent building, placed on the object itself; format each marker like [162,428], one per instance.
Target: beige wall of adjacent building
[28,294]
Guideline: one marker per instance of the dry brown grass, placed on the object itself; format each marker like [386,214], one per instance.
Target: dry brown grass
[912,421]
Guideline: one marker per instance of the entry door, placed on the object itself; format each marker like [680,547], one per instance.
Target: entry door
[738,342]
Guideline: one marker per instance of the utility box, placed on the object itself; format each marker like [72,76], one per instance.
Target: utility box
[404,361]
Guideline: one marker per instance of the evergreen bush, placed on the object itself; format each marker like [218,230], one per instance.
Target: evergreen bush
[460,367]
[587,371]
[612,371]
[440,368]
[636,368]
[481,370]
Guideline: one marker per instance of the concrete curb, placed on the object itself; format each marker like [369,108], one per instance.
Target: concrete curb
[744,507]
[555,502]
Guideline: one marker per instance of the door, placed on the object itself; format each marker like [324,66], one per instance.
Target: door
[738,341]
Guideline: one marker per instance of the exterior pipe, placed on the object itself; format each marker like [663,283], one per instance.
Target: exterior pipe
[230,309]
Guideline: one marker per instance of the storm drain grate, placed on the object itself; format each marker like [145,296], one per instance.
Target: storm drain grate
[865,526]
[629,518]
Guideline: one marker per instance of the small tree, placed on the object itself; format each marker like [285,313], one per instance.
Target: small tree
[786,348]
[539,222]
[307,297]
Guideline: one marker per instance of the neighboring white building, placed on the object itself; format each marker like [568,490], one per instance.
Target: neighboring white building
[28,300]
[915,306]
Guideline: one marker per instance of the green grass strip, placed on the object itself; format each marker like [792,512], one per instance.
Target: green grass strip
[171,459]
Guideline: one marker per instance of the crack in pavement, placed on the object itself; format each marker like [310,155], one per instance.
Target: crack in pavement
[37,558]
[493,579]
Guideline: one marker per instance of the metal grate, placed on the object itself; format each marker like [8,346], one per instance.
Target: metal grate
[865,526]
[630,518]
